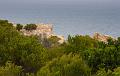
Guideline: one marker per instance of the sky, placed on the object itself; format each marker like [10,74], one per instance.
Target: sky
[3,2]
[11,4]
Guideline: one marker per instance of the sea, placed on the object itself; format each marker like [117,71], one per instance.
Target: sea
[67,19]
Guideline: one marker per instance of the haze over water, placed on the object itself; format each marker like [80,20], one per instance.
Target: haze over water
[68,17]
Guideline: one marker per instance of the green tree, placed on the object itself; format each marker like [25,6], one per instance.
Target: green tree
[110,41]
[5,23]
[107,58]
[30,27]
[78,43]
[67,65]
[21,50]
[54,41]
[19,27]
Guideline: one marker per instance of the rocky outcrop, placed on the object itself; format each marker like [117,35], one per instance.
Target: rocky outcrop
[44,31]
[100,37]
[62,40]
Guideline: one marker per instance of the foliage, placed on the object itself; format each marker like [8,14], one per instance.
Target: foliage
[116,72]
[22,50]
[80,43]
[102,72]
[10,69]
[55,52]
[67,65]
[19,27]
[36,56]
[107,58]
[52,41]
[30,27]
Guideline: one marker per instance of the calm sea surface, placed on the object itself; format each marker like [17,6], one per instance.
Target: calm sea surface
[68,19]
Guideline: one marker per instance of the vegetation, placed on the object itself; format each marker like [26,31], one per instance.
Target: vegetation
[67,65]
[10,70]
[30,27]
[19,27]
[34,56]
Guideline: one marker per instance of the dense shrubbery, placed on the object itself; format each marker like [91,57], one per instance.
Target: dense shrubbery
[19,27]
[78,56]
[10,69]
[21,50]
[30,27]
[67,65]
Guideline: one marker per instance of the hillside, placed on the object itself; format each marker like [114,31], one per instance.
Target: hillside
[32,55]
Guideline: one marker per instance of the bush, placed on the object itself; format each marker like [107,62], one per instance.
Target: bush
[102,72]
[30,27]
[116,72]
[67,65]
[10,69]
[19,27]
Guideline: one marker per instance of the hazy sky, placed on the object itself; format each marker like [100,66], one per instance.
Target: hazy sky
[5,4]
[58,1]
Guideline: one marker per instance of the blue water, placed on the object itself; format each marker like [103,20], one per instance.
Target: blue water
[68,19]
